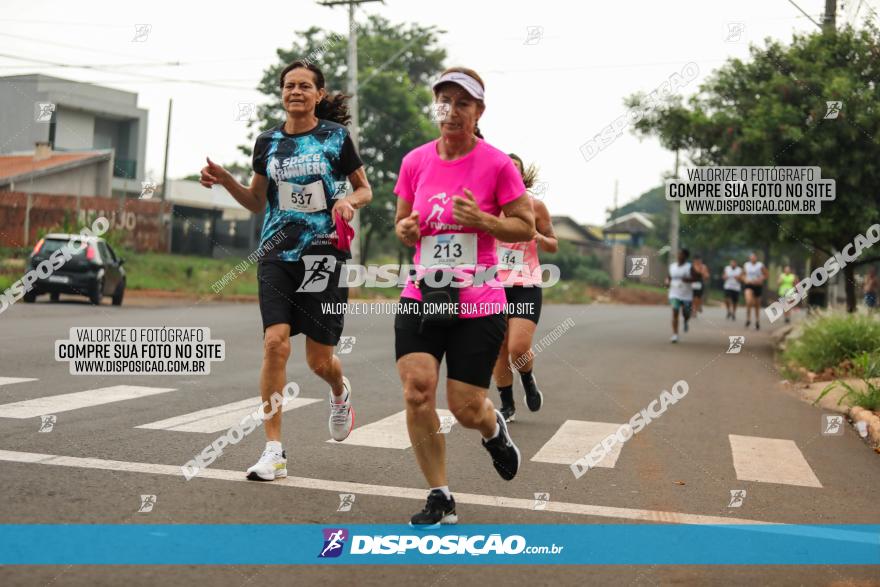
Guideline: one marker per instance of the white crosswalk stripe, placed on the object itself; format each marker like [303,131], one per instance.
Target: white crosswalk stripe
[576,438]
[771,460]
[55,404]
[219,418]
[757,459]
[388,432]
[11,380]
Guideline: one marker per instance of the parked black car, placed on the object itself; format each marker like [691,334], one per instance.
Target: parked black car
[93,269]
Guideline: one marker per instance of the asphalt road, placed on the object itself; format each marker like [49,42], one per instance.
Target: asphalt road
[611,364]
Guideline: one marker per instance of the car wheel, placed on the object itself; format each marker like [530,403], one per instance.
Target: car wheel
[30,297]
[55,297]
[119,293]
[97,293]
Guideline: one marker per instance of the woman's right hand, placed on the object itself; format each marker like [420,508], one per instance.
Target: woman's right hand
[408,229]
[212,174]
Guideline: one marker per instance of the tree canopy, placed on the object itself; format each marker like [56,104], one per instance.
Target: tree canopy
[770,110]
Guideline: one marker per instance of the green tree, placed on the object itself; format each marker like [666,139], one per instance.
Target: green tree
[770,110]
[396,63]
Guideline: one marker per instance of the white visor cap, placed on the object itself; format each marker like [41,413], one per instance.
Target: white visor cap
[470,85]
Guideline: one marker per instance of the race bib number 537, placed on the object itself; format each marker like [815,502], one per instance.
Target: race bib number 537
[302,198]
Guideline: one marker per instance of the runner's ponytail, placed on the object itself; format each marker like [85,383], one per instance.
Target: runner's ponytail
[529,174]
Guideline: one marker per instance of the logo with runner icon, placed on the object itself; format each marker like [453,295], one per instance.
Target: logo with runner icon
[334,542]
[737,497]
[319,268]
[735,344]
[637,266]
[832,425]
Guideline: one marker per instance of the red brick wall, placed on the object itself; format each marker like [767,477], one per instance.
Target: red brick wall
[139,224]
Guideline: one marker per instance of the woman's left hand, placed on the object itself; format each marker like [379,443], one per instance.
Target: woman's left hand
[466,211]
[343,208]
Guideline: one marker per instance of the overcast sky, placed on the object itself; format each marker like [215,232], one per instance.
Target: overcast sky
[546,96]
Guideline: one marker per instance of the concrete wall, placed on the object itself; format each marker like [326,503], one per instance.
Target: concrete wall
[74,129]
[20,131]
[18,125]
[88,180]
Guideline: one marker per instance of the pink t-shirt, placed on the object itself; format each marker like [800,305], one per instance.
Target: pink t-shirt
[429,183]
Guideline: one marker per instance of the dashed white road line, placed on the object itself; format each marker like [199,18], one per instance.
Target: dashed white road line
[576,438]
[417,494]
[11,380]
[220,417]
[771,460]
[55,404]
[388,432]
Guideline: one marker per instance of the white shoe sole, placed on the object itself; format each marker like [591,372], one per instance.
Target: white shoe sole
[255,476]
[447,520]
[513,444]
[347,432]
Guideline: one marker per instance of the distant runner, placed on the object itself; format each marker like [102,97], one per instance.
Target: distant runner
[681,293]
[753,285]
[732,287]
[701,273]
[786,282]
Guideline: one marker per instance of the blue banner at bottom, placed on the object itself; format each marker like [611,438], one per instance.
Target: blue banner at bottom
[374,544]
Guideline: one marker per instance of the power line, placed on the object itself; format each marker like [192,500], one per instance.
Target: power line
[143,75]
[66,45]
[805,13]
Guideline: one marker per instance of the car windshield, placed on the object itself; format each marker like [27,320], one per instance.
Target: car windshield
[52,245]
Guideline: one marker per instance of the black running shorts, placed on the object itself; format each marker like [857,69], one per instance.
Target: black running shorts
[280,303]
[732,295]
[471,345]
[757,290]
[524,302]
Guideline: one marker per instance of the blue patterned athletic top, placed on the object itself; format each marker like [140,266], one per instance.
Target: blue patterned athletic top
[307,173]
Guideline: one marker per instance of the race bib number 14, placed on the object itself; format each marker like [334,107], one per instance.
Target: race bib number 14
[511,259]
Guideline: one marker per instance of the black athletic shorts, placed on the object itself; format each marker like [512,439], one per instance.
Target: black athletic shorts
[698,292]
[523,302]
[471,345]
[732,295]
[756,289]
[280,303]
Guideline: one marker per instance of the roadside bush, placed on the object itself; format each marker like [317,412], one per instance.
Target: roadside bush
[868,396]
[832,339]
[576,266]
[592,276]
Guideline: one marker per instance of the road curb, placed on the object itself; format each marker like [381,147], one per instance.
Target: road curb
[862,415]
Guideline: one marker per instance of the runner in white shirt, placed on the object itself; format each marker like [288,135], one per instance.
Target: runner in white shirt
[753,284]
[732,287]
[681,293]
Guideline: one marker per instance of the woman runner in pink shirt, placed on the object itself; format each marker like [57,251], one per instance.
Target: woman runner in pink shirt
[521,275]
[451,193]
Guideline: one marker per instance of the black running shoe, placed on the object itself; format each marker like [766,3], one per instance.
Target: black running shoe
[534,397]
[438,510]
[505,455]
[508,408]
[757,326]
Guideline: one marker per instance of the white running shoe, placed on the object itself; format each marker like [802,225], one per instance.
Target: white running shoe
[673,338]
[341,414]
[271,466]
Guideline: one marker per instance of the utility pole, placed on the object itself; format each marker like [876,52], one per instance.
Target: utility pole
[673,218]
[830,20]
[165,178]
[352,90]
[616,185]
[167,143]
